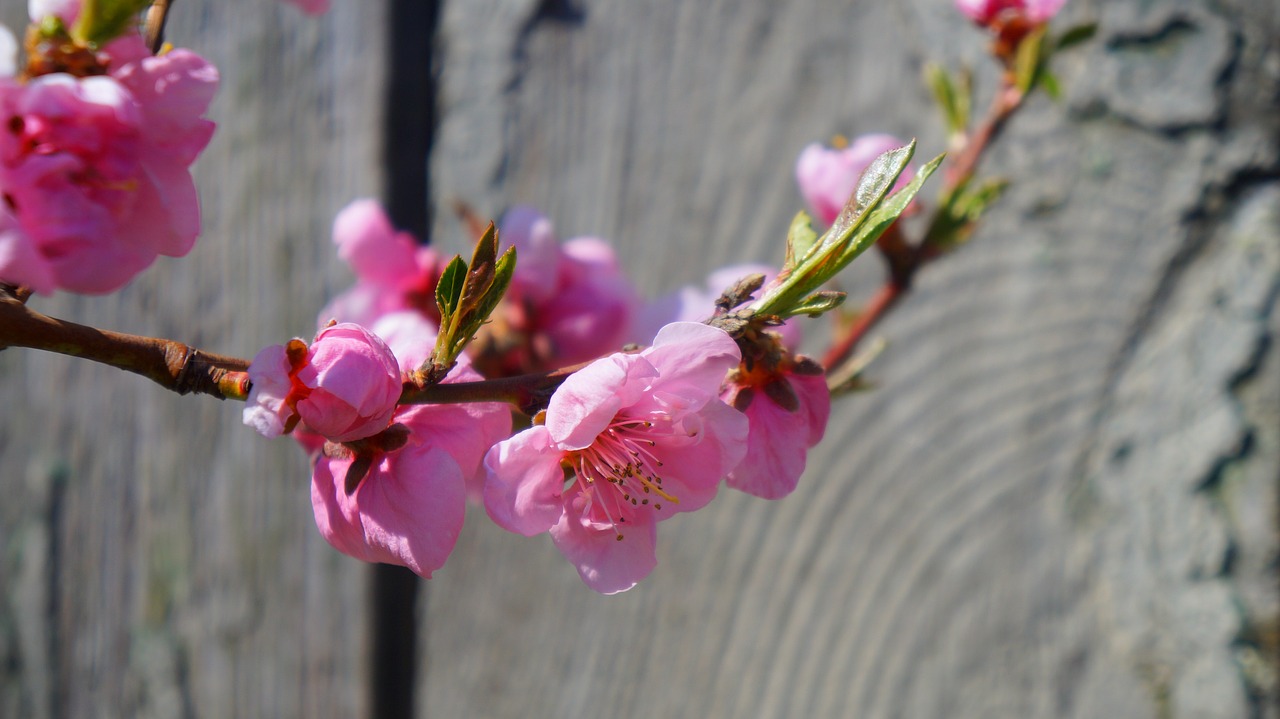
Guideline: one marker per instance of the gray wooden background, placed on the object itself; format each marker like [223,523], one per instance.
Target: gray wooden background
[1061,501]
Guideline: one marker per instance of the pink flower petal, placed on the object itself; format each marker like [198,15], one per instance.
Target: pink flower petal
[375,250]
[605,563]
[525,483]
[408,511]
[589,400]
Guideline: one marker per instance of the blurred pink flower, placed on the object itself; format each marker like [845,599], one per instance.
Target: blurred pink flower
[344,386]
[697,304]
[644,436]
[828,177]
[68,10]
[393,272]
[568,302]
[311,7]
[986,12]
[785,422]
[94,169]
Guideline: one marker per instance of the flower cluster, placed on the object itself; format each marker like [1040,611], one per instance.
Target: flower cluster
[94,155]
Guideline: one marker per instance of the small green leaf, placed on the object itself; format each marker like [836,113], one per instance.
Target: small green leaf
[480,274]
[1049,82]
[873,186]
[838,246]
[504,269]
[101,21]
[1030,59]
[952,97]
[818,303]
[801,239]
[958,214]
[449,289]
[1076,36]
[887,213]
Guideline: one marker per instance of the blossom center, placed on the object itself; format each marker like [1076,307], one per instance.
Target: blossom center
[619,473]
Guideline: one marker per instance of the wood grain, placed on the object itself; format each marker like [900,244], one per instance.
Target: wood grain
[1059,501]
[961,544]
[158,559]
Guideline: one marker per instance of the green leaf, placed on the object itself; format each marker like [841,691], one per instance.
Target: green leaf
[801,239]
[836,248]
[504,269]
[818,303]
[480,274]
[449,289]
[954,98]
[1076,36]
[1049,82]
[101,21]
[958,214]
[887,213]
[1030,59]
[875,183]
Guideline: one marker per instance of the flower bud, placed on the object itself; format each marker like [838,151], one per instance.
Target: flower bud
[344,386]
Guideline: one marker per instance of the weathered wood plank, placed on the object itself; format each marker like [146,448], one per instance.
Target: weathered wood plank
[158,558]
[965,543]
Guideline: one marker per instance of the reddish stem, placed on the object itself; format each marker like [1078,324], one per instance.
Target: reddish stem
[904,258]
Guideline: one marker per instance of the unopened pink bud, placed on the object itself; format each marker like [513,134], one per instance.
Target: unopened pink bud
[344,386]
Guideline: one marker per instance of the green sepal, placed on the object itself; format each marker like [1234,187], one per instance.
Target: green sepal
[101,21]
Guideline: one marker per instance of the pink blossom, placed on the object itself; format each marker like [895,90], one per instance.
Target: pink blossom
[311,7]
[19,259]
[644,436]
[393,272]
[344,386]
[407,510]
[68,10]
[987,12]
[828,177]
[466,430]
[567,303]
[780,436]
[95,171]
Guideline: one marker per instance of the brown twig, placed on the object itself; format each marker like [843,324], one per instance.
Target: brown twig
[528,392]
[157,16]
[172,365]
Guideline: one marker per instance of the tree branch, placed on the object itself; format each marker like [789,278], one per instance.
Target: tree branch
[172,365]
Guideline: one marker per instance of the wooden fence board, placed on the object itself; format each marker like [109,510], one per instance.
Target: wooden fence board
[965,542]
[158,558]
